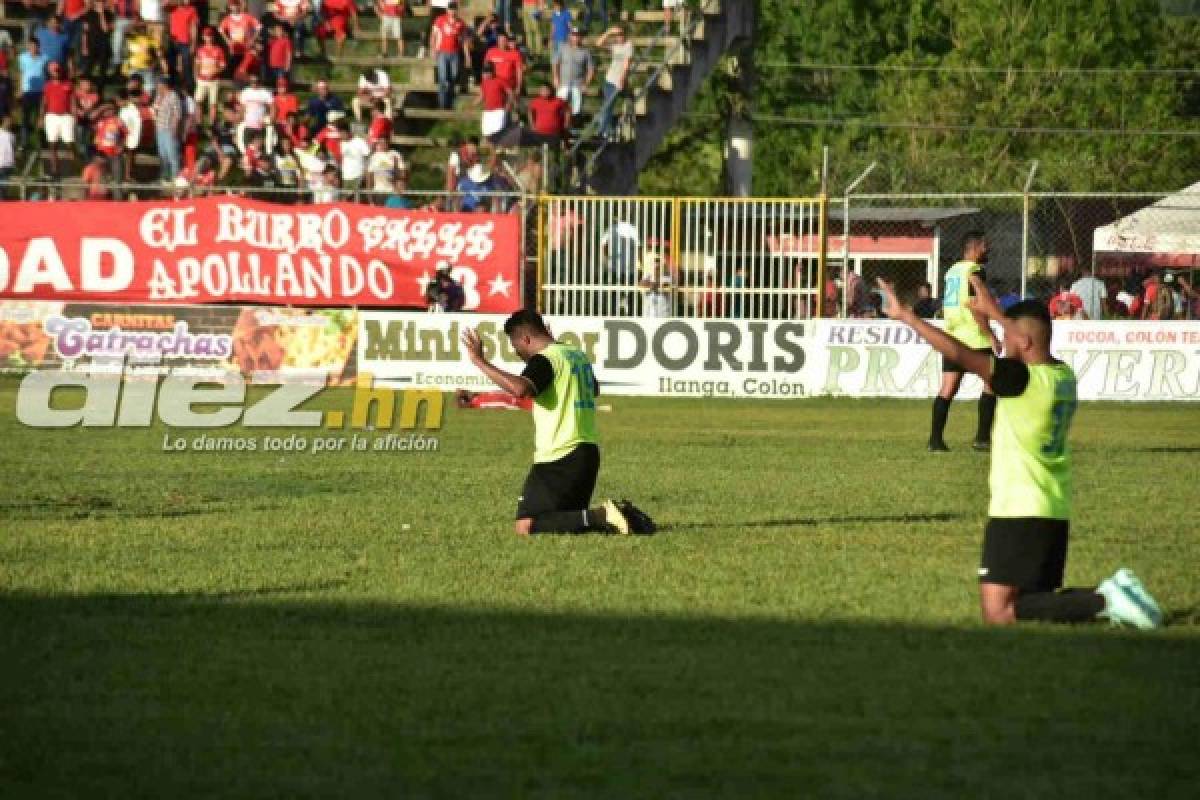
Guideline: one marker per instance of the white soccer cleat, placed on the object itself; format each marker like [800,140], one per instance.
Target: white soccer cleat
[1125,578]
[1124,606]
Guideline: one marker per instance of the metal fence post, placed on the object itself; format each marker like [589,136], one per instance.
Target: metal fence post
[846,231]
[1025,228]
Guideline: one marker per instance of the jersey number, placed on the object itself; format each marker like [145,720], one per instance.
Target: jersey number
[1062,412]
[951,298]
[585,379]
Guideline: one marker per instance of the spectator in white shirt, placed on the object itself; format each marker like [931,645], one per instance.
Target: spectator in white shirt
[373,84]
[1092,293]
[355,152]
[256,101]
[385,167]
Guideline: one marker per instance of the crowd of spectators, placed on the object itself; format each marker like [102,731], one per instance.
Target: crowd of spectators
[207,89]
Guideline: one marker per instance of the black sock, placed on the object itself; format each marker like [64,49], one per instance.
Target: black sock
[588,520]
[987,412]
[1069,605]
[941,410]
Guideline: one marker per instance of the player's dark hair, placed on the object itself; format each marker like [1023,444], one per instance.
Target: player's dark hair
[526,319]
[1030,309]
[972,239]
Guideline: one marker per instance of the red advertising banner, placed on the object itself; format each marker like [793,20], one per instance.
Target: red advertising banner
[233,250]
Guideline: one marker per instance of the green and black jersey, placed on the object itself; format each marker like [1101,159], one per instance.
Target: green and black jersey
[1031,465]
[564,405]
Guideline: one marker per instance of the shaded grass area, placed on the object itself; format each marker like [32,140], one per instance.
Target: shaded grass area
[350,624]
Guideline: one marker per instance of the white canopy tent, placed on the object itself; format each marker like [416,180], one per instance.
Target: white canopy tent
[1169,227]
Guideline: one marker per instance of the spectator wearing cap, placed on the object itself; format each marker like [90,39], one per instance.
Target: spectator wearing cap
[573,69]
[451,48]
[373,85]
[321,104]
[209,67]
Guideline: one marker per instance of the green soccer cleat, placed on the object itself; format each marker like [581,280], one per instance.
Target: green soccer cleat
[1123,605]
[616,519]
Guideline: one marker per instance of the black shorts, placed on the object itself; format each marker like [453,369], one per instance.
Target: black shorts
[1027,552]
[954,366]
[563,485]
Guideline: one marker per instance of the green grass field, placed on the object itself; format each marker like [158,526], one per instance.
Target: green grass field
[352,625]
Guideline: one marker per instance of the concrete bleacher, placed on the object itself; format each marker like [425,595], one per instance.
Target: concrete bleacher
[421,129]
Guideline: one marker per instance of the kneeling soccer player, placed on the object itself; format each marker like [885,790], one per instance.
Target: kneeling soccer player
[1025,542]
[566,456]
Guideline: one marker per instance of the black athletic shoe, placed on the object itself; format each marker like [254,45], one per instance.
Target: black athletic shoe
[639,521]
[982,447]
[938,447]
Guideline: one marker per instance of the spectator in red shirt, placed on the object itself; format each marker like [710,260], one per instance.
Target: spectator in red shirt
[548,116]
[239,30]
[497,100]
[506,58]
[338,17]
[451,49]
[183,29]
[57,120]
[381,124]
[295,16]
[286,104]
[209,66]
[391,25]
[109,141]
[279,54]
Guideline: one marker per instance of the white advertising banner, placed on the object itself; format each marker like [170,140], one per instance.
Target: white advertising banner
[1146,361]
[1143,361]
[648,357]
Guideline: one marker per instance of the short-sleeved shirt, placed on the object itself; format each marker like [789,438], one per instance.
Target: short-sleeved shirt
[564,405]
[392,8]
[960,322]
[560,25]
[494,92]
[1031,464]
[57,96]
[54,44]
[33,71]
[279,52]
[574,63]
[451,33]
[379,88]
[622,54]
[181,21]
[210,62]
[508,64]
[239,29]
[255,104]
[549,115]
[110,136]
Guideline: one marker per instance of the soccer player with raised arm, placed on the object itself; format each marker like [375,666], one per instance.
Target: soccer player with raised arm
[969,327]
[566,456]
[1025,542]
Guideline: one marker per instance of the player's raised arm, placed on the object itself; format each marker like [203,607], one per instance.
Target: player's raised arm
[516,385]
[986,306]
[948,346]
